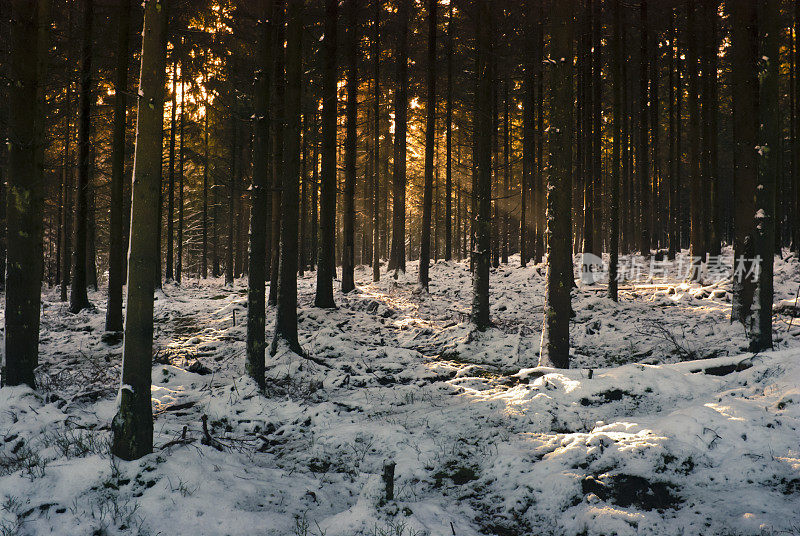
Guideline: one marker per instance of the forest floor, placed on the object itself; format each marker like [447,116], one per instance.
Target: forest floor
[639,437]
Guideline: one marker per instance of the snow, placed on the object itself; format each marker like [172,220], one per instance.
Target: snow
[635,439]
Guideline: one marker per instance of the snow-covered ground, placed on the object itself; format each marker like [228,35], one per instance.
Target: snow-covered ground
[635,439]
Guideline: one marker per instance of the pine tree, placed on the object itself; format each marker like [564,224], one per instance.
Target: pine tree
[430,134]
[397,258]
[348,197]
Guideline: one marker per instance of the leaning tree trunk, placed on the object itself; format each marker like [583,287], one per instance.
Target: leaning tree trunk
[555,331]
[132,426]
[430,133]
[397,257]
[348,198]
[116,252]
[286,311]
[78,298]
[26,190]
[326,258]
[257,267]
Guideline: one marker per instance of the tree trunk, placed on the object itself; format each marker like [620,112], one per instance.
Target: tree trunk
[26,190]
[257,269]
[326,260]
[555,331]
[204,215]
[179,255]
[644,138]
[286,311]
[482,187]
[78,299]
[116,251]
[278,81]
[613,220]
[132,426]
[744,51]
[448,181]
[376,179]
[171,181]
[229,250]
[348,197]
[696,201]
[764,227]
[397,259]
[430,134]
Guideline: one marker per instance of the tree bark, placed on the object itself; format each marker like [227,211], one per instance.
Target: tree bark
[171,180]
[78,298]
[286,311]
[26,190]
[397,258]
[744,51]
[132,426]
[348,197]
[555,331]
[278,83]
[613,220]
[430,134]
[482,187]
[376,179]
[257,268]
[448,181]
[326,260]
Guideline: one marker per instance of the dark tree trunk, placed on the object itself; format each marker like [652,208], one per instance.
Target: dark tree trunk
[116,252]
[348,196]
[286,311]
[229,250]
[326,261]
[397,258]
[538,181]
[204,215]
[744,51]
[672,246]
[644,137]
[613,220]
[78,299]
[505,205]
[698,249]
[132,426]
[278,83]
[171,180]
[430,134]
[555,332]
[26,190]
[482,187]
[376,180]
[179,255]
[764,227]
[448,181]
[314,184]
[257,269]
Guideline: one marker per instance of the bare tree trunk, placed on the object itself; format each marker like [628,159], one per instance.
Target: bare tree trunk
[696,201]
[448,184]
[397,259]
[257,269]
[348,197]
[744,50]
[644,137]
[326,261]
[376,179]
[26,190]
[116,252]
[278,82]
[618,80]
[430,134]
[555,332]
[482,187]
[286,311]
[229,253]
[179,256]
[764,227]
[78,299]
[132,427]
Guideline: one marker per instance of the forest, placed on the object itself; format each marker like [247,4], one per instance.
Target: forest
[400,267]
